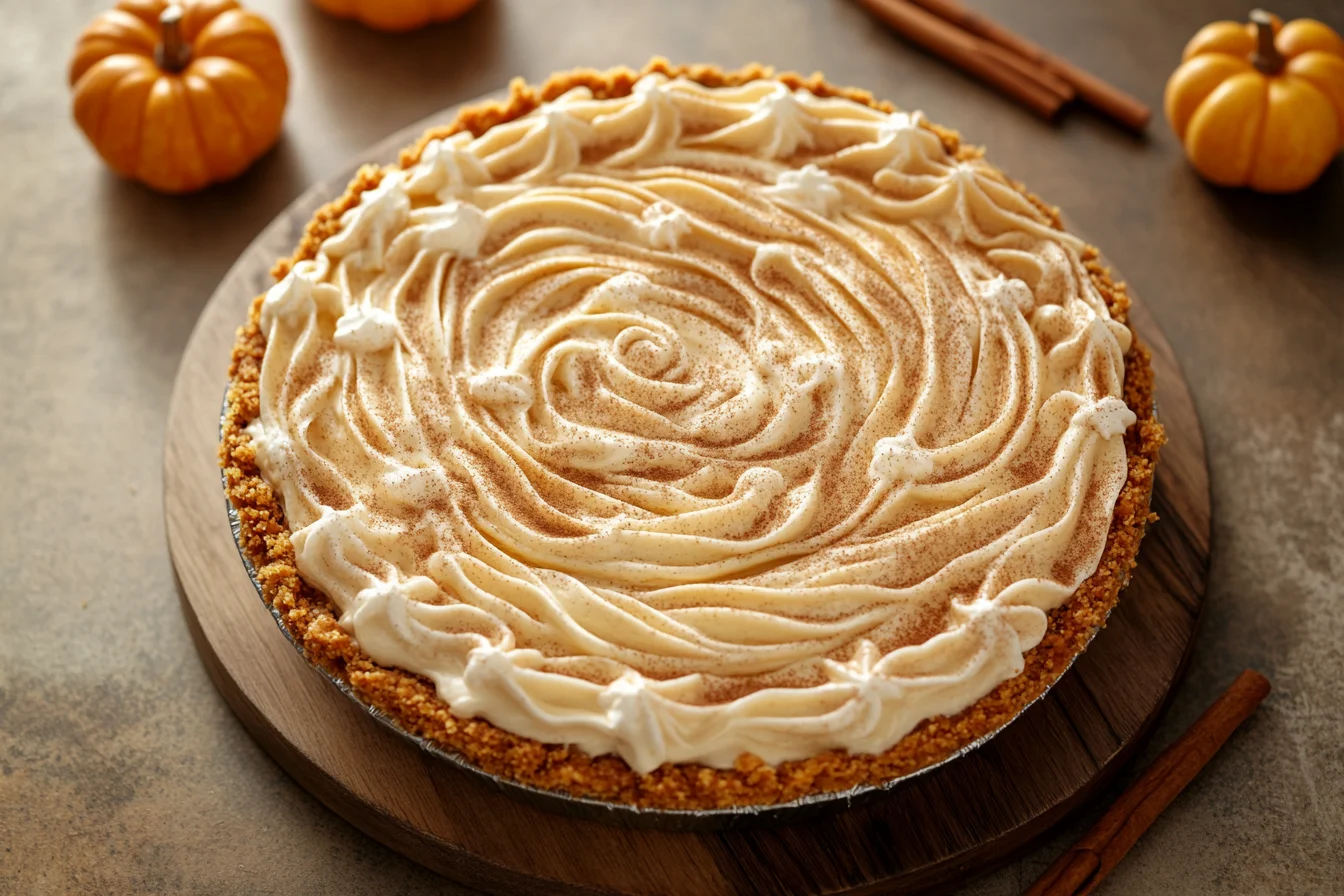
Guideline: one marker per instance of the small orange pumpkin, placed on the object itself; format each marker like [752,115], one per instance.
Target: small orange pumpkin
[396,15]
[179,95]
[1260,105]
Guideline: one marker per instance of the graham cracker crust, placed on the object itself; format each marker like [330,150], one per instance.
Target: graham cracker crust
[411,701]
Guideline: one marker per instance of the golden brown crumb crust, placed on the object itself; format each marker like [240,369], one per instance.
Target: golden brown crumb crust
[410,700]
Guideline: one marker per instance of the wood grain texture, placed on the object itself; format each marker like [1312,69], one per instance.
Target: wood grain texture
[930,832]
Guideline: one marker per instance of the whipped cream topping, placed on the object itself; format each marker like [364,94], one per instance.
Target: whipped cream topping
[365,328]
[696,422]
[809,187]
[664,225]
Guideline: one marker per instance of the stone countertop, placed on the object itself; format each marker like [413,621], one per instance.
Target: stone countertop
[123,771]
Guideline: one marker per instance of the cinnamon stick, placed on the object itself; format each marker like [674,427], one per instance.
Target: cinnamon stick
[1104,97]
[1040,91]
[1049,80]
[1078,871]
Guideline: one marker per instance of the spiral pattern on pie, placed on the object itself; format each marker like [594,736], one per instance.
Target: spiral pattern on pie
[696,422]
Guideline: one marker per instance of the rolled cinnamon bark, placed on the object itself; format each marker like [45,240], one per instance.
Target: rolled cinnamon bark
[1041,92]
[1105,98]
[1079,870]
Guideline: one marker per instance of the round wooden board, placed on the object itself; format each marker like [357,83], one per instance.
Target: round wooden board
[930,832]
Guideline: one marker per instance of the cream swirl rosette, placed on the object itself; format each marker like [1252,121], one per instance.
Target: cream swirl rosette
[696,422]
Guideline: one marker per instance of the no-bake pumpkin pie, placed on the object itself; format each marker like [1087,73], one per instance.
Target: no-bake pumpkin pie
[689,438]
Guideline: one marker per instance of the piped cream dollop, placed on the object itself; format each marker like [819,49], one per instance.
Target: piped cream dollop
[696,422]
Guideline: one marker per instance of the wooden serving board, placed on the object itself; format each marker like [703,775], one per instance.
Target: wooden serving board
[930,832]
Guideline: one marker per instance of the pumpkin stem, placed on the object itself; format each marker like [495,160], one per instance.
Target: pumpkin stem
[1267,57]
[172,54]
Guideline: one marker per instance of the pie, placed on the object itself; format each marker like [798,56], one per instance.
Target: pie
[687,438]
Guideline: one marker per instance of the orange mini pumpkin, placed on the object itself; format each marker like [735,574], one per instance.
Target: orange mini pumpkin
[179,95]
[1260,105]
[396,15]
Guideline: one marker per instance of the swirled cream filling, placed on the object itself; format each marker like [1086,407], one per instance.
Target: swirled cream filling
[696,422]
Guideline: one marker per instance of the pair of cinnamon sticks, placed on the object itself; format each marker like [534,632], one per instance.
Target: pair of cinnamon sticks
[1040,80]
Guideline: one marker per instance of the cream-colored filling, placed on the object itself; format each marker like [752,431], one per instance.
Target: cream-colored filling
[696,422]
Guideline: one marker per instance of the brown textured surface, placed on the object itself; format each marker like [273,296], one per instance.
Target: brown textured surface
[122,770]
[410,699]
